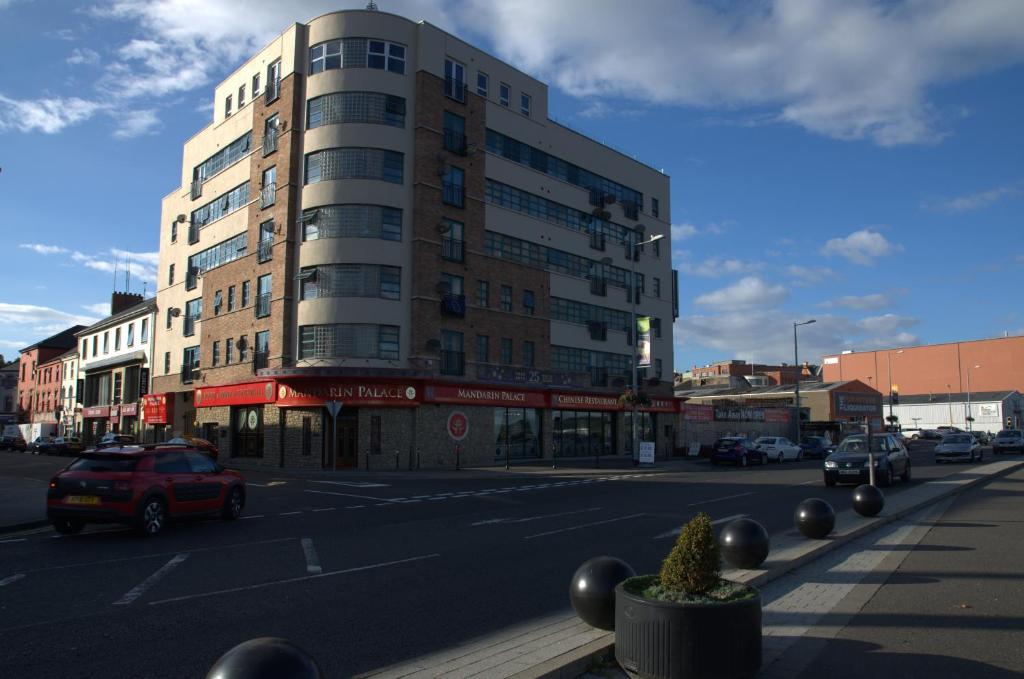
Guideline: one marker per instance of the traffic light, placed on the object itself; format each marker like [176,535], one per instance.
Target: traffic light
[894,395]
[1009,423]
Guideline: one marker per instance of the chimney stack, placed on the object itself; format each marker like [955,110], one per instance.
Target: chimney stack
[120,301]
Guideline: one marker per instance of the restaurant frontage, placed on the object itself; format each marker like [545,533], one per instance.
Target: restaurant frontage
[395,423]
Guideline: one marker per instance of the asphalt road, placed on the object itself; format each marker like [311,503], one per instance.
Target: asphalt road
[362,570]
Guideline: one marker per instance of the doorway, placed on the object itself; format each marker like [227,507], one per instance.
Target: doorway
[346,441]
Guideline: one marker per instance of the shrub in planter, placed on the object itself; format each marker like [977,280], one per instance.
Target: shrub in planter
[687,622]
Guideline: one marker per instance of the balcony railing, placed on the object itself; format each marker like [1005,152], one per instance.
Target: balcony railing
[265,251]
[453,249]
[193,233]
[269,142]
[260,360]
[598,330]
[455,142]
[262,306]
[631,210]
[268,194]
[455,89]
[188,372]
[272,92]
[599,286]
[197,188]
[191,279]
[453,305]
[599,377]
[453,194]
[453,363]
[189,327]
[597,240]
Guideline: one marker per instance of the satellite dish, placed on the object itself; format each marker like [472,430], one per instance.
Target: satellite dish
[242,343]
[174,312]
[182,219]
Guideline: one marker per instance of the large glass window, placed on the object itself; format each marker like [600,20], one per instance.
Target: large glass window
[219,254]
[357,53]
[351,280]
[228,155]
[543,257]
[354,163]
[221,206]
[348,340]
[516,433]
[583,360]
[352,221]
[646,424]
[373,108]
[583,433]
[571,311]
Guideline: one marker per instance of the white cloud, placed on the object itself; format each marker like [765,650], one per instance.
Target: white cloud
[141,265]
[14,344]
[47,115]
[805,275]
[83,55]
[100,308]
[746,293]
[871,302]
[974,201]
[861,247]
[683,231]
[716,267]
[43,249]
[131,124]
[38,320]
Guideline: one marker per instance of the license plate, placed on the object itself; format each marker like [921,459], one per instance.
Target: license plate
[850,472]
[82,500]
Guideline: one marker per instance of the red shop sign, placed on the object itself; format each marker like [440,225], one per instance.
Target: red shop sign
[235,394]
[484,396]
[129,409]
[660,405]
[318,391]
[585,402]
[158,408]
[776,415]
[96,411]
[698,413]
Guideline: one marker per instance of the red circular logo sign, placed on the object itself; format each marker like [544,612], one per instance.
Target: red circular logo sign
[458,425]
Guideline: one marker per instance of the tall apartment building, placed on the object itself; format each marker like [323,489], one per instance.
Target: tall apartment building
[384,216]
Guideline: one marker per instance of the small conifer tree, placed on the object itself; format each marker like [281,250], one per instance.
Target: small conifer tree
[693,564]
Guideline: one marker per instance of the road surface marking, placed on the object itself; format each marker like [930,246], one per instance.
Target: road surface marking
[807,483]
[271,484]
[139,590]
[312,560]
[355,484]
[355,507]
[676,531]
[13,578]
[488,522]
[258,485]
[289,513]
[4,542]
[586,525]
[298,579]
[325,509]
[361,497]
[719,499]
[254,516]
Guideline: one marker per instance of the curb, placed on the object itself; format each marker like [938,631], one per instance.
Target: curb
[572,664]
[28,525]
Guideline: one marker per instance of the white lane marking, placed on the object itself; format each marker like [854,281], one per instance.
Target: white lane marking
[254,516]
[355,507]
[4,542]
[325,509]
[355,484]
[676,531]
[312,560]
[807,483]
[361,497]
[719,499]
[289,513]
[535,518]
[258,485]
[586,525]
[271,484]
[134,593]
[13,578]
[298,579]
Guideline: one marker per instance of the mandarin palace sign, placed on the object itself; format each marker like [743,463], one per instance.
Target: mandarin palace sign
[316,393]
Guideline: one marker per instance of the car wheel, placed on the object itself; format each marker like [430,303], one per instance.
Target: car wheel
[152,516]
[887,477]
[68,526]
[233,505]
[905,476]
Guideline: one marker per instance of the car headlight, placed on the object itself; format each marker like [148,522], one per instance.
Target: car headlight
[830,464]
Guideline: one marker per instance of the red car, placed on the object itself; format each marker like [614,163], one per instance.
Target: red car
[142,486]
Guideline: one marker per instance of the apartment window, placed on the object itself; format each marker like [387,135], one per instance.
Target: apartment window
[231,298]
[144,331]
[263,347]
[482,81]
[170,275]
[352,221]
[263,287]
[452,285]
[385,55]
[218,300]
[483,349]
[454,80]
[454,133]
[657,367]
[454,182]
[227,156]
[229,350]
[528,302]
[167,363]
[242,346]
[245,294]
[170,318]
[174,231]
[216,353]
[528,349]
[504,94]
[117,391]
[373,108]
[193,312]
[273,90]
[524,104]
[221,206]
[506,298]
[483,294]
[117,339]
[452,243]
[351,280]
[452,356]
[268,194]
[357,53]
[655,208]
[347,340]
[218,255]
[354,163]
[506,351]
[656,327]
[256,84]
[106,342]
[189,363]
[241,96]
[656,285]
[227,106]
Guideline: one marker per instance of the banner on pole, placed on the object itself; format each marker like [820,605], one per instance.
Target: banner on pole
[643,344]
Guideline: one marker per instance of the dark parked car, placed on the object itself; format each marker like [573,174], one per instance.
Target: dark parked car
[197,443]
[736,450]
[1008,440]
[849,464]
[982,437]
[816,446]
[112,439]
[931,435]
[143,487]
[958,446]
[71,445]
[41,445]
[13,443]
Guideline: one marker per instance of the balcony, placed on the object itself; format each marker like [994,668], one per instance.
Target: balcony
[597,240]
[262,305]
[193,233]
[189,327]
[191,279]
[453,305]
[188,372]
[455,89]
[272,92]
[264,251]
[455,142]
[260,360]
[598,330]
[631,211]
[453,249]
[599,377]
[197,189]
[268,194]
[453,194]
[269,142]
[599,286]
[453,363]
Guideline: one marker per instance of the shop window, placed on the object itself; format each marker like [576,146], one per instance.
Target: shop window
[517,433]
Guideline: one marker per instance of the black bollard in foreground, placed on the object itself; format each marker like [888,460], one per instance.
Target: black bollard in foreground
[744,543]
[815,518]
[265,658]
[592,590]
[868,500]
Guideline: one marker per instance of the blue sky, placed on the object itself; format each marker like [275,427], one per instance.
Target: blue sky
[861,163]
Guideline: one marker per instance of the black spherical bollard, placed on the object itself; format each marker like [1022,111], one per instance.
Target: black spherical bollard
[592,590]
[815,518]
[265,658]
[868,500]
[744,543]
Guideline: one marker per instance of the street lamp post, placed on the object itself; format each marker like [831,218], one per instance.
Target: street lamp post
[634,253]
[949,400]
[889,363]
[796,364]
[967,417]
